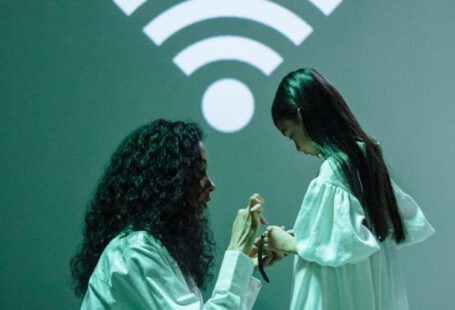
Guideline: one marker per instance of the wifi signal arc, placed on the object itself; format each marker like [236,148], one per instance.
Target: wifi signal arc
[227,104]
[188,13]
[234,48]
[325,6]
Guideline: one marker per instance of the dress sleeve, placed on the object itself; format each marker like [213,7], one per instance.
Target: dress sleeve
[329,229]
[416,224]
[146,278]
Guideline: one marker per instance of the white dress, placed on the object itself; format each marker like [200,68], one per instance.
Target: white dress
[136,271]
[340,264]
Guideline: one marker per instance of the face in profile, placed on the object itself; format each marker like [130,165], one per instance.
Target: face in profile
[206,185]
[294,129]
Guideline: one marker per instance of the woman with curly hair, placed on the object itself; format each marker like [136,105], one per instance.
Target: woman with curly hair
[146,241]
[353,217]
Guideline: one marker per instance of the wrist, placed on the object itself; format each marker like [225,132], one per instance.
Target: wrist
[236,247]
[291,247]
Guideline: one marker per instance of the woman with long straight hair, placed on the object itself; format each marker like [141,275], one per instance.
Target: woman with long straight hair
[353,217]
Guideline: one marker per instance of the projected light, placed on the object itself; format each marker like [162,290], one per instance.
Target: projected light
[227,104]
[326,6]
[129,6]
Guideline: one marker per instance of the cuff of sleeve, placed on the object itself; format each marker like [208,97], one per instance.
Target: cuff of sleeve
[253,292]
[235,273]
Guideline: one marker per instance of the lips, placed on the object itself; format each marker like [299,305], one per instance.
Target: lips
[205,199]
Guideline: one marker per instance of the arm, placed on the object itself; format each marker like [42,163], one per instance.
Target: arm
[329,229]
[280,241]
[235,281]
[144,276]
[235,287]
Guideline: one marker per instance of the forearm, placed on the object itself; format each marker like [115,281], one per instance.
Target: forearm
[291,246]
[280,241]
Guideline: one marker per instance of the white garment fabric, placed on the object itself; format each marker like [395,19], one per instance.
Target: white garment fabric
[341,265]
[136,271]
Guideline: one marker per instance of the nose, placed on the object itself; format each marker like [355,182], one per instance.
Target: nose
[212,185]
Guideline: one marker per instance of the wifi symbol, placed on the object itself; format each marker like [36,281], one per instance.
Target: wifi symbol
[227,104]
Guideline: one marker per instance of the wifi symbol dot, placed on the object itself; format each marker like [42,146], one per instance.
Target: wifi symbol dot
[227,104]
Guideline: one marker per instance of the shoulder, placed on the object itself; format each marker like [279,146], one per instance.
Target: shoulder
[133,249]
[136,271]
[140,244]
[331,171]
[127,240]
[331,175]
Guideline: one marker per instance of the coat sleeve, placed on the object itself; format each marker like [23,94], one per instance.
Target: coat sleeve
[235,288]
[330,229]
[147,278]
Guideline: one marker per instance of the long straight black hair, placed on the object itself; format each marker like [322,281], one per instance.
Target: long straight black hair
[334,130]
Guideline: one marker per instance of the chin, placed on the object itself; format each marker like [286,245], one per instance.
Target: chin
[201,208]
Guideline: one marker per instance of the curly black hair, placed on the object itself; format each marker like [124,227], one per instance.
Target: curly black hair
[150,184]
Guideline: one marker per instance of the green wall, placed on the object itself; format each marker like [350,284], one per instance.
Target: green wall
[77,76]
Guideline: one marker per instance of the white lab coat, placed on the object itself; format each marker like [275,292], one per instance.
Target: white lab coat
[136,271]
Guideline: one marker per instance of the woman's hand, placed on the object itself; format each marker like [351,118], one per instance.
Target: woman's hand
[279,240]
[246,225]
[268,257]
[255,200]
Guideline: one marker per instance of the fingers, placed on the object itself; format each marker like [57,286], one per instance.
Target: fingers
[257,214]
[256,207]
[267,259]
[255,199]
[250,216]
[243,218]
[271,257]
[253,252]
[263,219]
[254,215]
[268,230]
